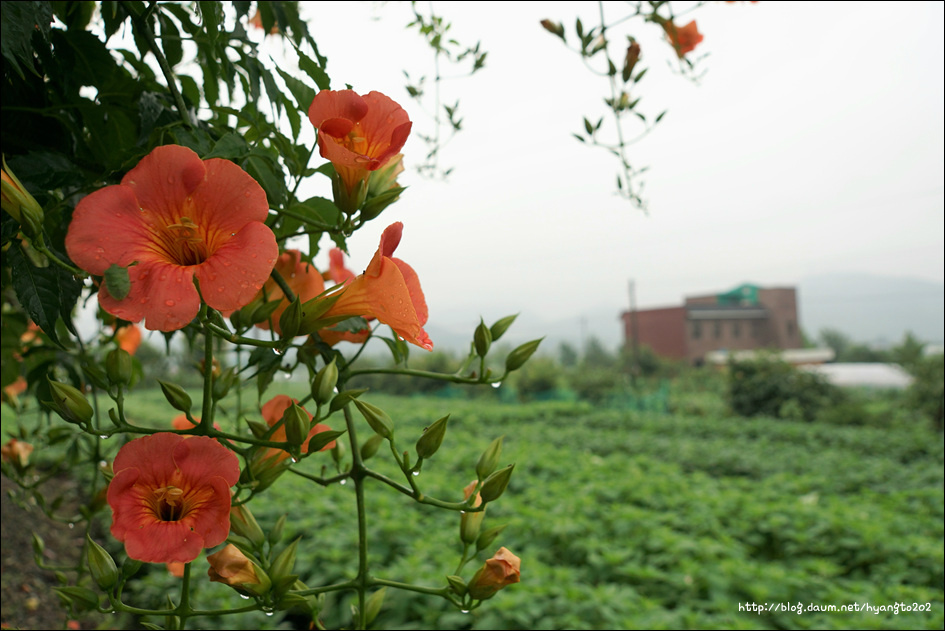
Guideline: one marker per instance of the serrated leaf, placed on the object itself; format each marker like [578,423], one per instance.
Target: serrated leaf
[20,21]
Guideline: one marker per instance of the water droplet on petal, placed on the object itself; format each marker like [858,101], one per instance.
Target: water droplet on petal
[248,194]
[143,301]
[170,303]
[170,179]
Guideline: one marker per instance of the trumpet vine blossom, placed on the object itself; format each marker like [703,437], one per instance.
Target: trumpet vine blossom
[170,496]
[175,219]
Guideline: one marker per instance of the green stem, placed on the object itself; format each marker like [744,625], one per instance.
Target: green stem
[309,221]
[358,471]
[142,25]
[429,375]
[239,339]
[283,285]
[55,259]
[433,591]
[206,419]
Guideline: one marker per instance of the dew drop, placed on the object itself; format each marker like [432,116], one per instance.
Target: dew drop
[244,596]
[71,526]
[170,179]
[232,234]
[103,436]
[414,473]
[268,613]
[170,303]
[143,301]
[343,482]
[163,277]
[247,194]
[220,290]
[464,611]
[293,459]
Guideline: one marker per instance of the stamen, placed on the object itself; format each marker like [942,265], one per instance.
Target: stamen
[184,244]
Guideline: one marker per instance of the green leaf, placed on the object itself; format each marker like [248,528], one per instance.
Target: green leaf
[313,70]
[230,147]
[170,40]
[45,292]
[20,21]
[302,93]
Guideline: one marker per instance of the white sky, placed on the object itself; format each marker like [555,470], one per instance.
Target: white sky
[814,144]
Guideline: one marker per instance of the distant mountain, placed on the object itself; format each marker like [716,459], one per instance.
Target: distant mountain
[872,309]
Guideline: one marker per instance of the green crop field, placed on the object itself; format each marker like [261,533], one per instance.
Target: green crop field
[628,519]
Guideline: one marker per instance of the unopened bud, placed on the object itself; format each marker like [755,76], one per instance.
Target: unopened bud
[377,418]
[489,459]
[370,446]
[323,387]
[118,366]
[291,319]
[17,201]
[432,438]
[501,326]
[520,355]
[633,56]
[296,424]
[102,566]
[70,403]
[245,525]
[482,339]
[488,536]
[495,484]
[176,396]
[554,28]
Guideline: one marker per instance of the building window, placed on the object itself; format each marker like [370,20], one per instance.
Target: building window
[756,329]
[696,330]
[790,328]
[736,330]
[717,330]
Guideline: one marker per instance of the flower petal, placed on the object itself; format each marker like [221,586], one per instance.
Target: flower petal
[228,199]
[107,227]
[161,292]
[237,270]
[164,542]
[202,457]
[164,179]
[329,104]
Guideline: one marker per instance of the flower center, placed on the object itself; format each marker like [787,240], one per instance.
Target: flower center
[183,243]
[356,143]
[169,503]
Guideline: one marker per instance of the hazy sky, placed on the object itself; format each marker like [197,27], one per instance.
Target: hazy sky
[813,144]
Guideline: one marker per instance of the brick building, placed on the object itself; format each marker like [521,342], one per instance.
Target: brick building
[746,318]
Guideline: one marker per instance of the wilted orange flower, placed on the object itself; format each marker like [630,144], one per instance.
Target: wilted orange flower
[303,279]
[17,453]
[358,134]
[388,290]
[170,496]
[175,218]
[128,338]
[272,412]
[498,572]
[181,422]
[683,38]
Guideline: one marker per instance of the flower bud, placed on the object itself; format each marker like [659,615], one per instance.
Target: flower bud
[118,367]
[70,403]
[501,570]
[291,319]
[176,396]
[232,567]
[102,566]
[499,328]
[377,418]
[296,424]
[457,585]
[633,56]
[495,484]
[520,355]
[432,438]
[488,536]
[17,201]
[323,387]
[554,28]
[17,453]
[489,459]
[284,563]
[482,339]
[245,525]
[223,382]
[471,522]
[372,607]
[370,446]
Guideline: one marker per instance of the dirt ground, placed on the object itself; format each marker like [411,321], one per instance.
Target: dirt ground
[28,600]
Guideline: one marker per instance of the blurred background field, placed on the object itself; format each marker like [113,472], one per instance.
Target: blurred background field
[649,506]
